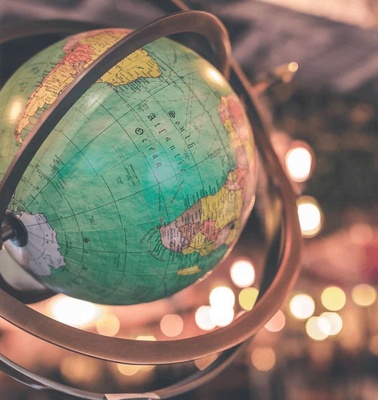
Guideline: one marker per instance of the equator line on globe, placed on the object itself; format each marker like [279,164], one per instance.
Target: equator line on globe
[143,186]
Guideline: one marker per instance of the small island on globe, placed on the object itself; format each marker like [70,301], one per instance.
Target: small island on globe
[143,186]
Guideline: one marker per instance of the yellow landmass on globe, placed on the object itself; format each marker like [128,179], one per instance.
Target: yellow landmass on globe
[224,207]
[137,65]
[82,51]
[199,244]
[195,269]
[219,220]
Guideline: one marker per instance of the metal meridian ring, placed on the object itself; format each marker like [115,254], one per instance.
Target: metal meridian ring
[199,22]
[288,269]
[165,352]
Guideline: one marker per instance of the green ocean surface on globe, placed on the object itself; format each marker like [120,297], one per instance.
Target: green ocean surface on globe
[143,186]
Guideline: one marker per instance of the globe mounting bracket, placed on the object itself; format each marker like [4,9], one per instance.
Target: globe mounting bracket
[13,229]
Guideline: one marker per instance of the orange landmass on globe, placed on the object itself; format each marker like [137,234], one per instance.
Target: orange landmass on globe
[80,52]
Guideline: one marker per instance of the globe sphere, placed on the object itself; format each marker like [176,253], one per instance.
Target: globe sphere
[143,186]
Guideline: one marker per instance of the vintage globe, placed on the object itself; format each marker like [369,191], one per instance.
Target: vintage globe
[146,182]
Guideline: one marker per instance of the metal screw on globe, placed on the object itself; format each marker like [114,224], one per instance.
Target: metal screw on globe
[145,184]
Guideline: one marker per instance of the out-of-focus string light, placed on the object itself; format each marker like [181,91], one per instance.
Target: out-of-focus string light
[310,216]
[242,273]
[299,162]
[364,295]
[335,322]
[171,325]
[317,328]
[108,325]
[78,369]
[222,316]
[276,323]
[73,312]
[333,298]
[302,306]
[128,369]
[263,358]
[222,296]
[147,338]
[202,318]
[247,298]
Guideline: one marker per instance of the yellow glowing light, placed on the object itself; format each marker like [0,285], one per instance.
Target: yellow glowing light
[222,296]
[293,67]
[298,163]
[108,325]
[310,216]
[147,338]
[203,363]
[78,369]
[324,325]
[242,273]
[263,358]
[247,298]
[316,327]
[333,298]
[128,370]
[335,322]
[171,325]
[302,306]
[202,318]
[364,295]
[276,323]
[222,316]
[73,312]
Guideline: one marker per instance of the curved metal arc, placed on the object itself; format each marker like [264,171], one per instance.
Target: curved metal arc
[123,350]
[183,350]
[199,22]
[190,383]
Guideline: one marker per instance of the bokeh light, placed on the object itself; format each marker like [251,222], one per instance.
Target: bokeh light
[333,298]
[302,306]
[128,369]
[317,328]
[242,273]
[78,369]
[310,216]
[247,298]
[147,338]
[222,316]
[298,162]
[263,358]
[222,296]
[202,318]
[277,322]
[108,325]
[364,295]
[73,312]
[172,325]
[335,322]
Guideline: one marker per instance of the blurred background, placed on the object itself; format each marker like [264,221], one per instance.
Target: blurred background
[323,342]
